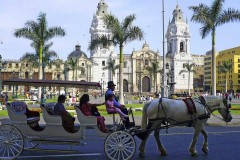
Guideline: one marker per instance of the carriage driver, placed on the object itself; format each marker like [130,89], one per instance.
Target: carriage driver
[110,91]
[67,119]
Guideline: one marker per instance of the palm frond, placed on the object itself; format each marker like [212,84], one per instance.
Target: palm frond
[216,8]
[128,21]
[230,15]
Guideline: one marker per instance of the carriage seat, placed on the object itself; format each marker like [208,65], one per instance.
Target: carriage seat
[48,116]
[50,108]
[18,111]
[85,120]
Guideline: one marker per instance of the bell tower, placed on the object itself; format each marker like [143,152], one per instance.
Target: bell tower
[178,49]
[102,54]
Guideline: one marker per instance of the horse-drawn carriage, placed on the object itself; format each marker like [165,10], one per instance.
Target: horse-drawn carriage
[16,133]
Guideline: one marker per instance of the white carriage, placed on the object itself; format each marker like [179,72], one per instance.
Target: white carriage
[16,133]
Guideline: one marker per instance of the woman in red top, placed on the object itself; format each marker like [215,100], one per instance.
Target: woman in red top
[86,107]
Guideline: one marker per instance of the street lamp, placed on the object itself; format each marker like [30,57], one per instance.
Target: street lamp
[102,86]
[164,87]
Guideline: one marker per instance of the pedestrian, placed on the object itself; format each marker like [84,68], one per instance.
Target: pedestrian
[6,99]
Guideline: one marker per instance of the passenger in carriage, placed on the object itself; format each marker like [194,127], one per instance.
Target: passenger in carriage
[89,109]
[112,109]
[111,88]
[67,119]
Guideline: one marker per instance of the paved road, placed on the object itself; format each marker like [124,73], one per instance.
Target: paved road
[223,144]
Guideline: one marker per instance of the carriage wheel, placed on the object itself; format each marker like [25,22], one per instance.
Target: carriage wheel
[11,142]
[29,144]
[119,145]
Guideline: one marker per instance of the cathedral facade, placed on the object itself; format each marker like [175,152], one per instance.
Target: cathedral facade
[139,75]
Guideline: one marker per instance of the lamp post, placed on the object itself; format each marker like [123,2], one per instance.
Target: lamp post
[102,86]
[164,87]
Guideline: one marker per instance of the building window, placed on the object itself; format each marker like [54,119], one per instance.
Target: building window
[103,63]
[184,65]
[103,74]
[183,75]
[10,65]
[146,62]
[125,64]
[181,47]
[26,65]
[82,64]
[16,65]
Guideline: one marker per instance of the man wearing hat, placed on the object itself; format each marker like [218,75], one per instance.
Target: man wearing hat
[111,88]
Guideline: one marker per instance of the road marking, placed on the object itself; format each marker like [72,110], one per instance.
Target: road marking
[59,155]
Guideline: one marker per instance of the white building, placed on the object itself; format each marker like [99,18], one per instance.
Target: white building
[101,55]
[178,49]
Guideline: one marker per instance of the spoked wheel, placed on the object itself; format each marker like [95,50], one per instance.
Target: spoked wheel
[120,145]
[29,144]
[11,142]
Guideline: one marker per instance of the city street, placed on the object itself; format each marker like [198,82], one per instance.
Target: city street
[223,144]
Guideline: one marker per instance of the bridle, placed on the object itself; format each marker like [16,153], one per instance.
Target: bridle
[204,103]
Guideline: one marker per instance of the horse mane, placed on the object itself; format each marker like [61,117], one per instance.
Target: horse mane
[213,100]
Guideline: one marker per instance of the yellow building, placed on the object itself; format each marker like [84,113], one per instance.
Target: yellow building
[207,85]
[233,78]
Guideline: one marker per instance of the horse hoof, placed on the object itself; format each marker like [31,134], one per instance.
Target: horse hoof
[205,150]
[194,154]
[141,155]
[164,154]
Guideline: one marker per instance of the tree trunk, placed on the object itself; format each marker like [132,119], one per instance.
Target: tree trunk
[121,100]
[40,73]
[226,83]
[213,62]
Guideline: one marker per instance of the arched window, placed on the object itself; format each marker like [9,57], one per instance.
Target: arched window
[146,62]
[181,47]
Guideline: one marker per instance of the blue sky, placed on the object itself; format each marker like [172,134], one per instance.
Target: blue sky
[75,16]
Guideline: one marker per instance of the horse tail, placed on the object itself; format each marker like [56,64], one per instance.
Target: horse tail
[144,116]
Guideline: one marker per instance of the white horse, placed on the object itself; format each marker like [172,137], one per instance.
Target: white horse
[175,113]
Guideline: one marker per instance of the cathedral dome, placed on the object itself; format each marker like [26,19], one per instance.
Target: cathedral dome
[77,52]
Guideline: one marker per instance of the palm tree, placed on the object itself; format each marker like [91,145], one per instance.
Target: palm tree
[112,67]
[211,18]
[72,64]
[154,69]
[189,69]
[122,33]
[39,33]
[48,56]
[225,68]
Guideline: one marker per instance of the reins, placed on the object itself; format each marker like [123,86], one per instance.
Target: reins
[203,102]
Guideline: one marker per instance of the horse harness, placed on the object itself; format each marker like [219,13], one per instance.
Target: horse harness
[192,111]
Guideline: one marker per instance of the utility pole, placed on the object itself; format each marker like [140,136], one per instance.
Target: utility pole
[164,87]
